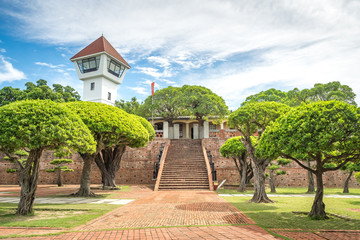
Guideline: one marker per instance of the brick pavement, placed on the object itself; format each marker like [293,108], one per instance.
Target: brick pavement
[209,233]
[171,208]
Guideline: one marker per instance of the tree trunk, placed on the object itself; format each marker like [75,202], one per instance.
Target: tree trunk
[28,180]
[249,173]
[259,184]
[243,177]
[109,163]
[272,185]
[346,185]
[84,190]
[318,207]
[311,187]
[59,182]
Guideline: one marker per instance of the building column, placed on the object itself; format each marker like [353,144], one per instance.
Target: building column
[166,130]
[187,131]
[206,129]
[222,125]
[196,130]
[176,131]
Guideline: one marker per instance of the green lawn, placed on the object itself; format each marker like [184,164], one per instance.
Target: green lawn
[296,190]
[53,215]
[279,214]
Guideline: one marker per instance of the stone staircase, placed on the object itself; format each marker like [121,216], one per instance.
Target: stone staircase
[184,167]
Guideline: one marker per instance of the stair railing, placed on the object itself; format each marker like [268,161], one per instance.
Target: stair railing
[161,166]
[157,163]
[211,185]
[212,166]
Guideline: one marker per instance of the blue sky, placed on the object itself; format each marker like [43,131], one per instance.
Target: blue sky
[235,48]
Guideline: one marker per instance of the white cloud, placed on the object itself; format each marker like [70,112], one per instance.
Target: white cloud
[292,43]
[49,65]
[2,50]
[140,90]
[8,72]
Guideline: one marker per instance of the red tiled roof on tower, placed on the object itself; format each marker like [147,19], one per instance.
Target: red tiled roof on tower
[100,45]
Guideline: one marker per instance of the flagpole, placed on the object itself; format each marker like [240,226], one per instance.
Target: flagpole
[152,103]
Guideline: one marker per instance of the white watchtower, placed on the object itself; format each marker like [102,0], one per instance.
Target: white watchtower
[101,68]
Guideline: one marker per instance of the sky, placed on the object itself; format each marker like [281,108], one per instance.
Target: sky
[235,48]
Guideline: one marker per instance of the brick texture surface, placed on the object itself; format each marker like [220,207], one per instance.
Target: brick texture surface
[171,208]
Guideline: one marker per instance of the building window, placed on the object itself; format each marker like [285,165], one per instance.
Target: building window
[89,64]
[212,127]
[92,86]
[109,96]
[115,68]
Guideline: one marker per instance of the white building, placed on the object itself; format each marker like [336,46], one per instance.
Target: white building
[101,68]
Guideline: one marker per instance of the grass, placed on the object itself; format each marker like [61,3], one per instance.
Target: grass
[279,214]
[53,215]
[295,190]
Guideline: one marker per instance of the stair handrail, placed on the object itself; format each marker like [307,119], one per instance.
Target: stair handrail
[208,168]
[162,162]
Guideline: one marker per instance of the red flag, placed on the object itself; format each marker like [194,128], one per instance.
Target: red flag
[152,88]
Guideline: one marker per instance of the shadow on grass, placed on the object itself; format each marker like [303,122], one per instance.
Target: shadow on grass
[355,202]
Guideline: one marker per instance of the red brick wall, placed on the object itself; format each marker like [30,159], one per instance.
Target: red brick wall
[295,175]
[136,167]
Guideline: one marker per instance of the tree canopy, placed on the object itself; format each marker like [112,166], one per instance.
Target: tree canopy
[195,101]
[110,127]
[324,132]
[320,92]
[41,91]
[37,125]
[252,119]
[132,106]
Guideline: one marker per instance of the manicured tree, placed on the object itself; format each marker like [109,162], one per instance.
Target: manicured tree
[60,166]
[251,119]
[274,167]
[36,126]
[201,103]
[110,126]
[109,159]
[165,103]
[324,132]
[18,157]
[350,168]
[235,149]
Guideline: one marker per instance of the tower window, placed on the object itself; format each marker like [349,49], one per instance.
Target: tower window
[115,68]
[92,86]
[89,64]
[109,95]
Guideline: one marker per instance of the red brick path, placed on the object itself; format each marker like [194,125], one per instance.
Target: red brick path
[171,208]
[215,232]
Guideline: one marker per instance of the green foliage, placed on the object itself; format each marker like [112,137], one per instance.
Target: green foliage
[283,161]
[270,95]
[132,106]
[110,125]
[357,176]
[273,167]
[325,129]
[165,103]
[196,101]
[11,170]
[42,91]
[21,153]
[320,92]
[280,172]
[147,125]
[201,102]
[61,161]
[232,148]
[42,124]
[256,115]
[351,167]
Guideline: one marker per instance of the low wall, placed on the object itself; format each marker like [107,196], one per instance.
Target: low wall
[295,175]
[136,167]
